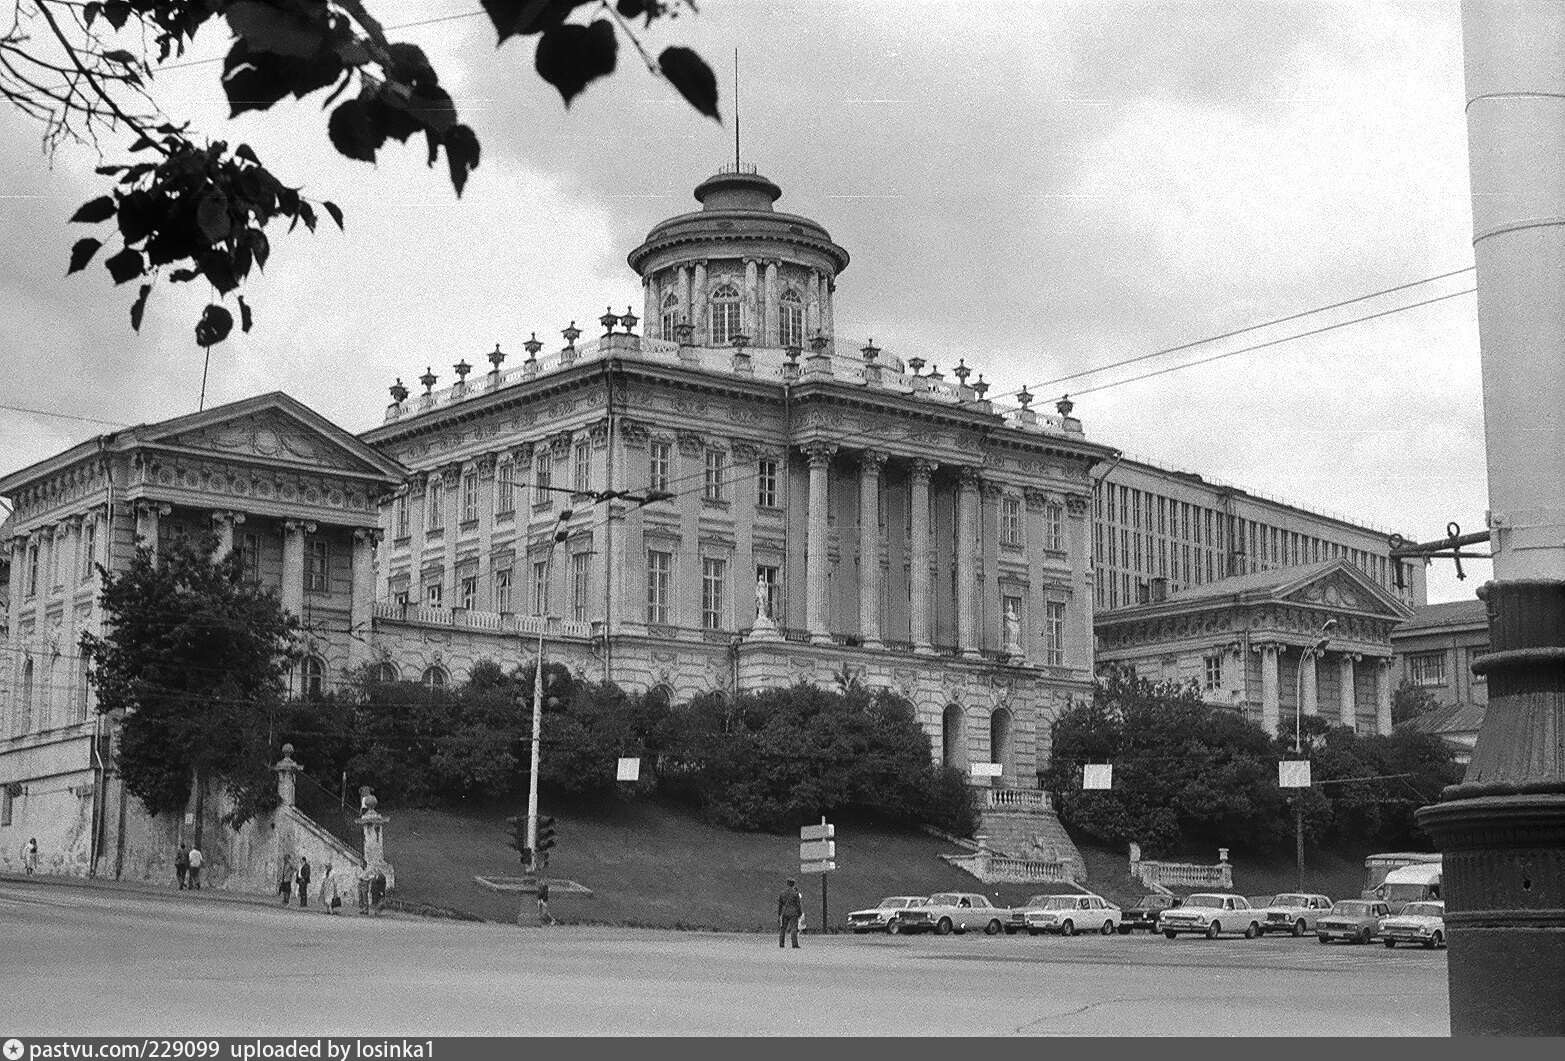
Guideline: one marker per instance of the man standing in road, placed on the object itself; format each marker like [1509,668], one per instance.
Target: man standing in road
[790,907]
[543,904]
[303,878]
[196,861]
[182,865]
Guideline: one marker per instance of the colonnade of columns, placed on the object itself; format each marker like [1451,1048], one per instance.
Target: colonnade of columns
[761,284]
[1347,664]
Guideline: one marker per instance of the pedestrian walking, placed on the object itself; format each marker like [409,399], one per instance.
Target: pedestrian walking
[790,908]
[30,856]
[182,866]
[331,894]
[543,904]
[377,892]
[303,878]
[197,860]
[366,878]
[285,874]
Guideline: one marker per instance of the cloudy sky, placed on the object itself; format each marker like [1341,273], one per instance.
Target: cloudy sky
[1040,187]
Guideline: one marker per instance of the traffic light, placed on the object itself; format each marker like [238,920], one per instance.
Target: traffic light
[545,834]
[518,840]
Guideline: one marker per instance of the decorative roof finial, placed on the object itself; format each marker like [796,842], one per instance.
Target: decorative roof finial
[428,379]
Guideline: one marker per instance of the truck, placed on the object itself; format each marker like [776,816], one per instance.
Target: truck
[1410,884]
[1377,866]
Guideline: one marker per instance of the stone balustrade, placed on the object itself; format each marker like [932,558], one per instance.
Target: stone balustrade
[1184,875]
[1027,798]
[496,622]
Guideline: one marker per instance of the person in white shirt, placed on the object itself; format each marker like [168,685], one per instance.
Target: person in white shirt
[196,862]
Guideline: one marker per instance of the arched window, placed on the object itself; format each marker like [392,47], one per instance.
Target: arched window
[435,677]
[953,738]
[24,716]
[312,678]
[670,316]
[790,319]
[386,672]
[725,314]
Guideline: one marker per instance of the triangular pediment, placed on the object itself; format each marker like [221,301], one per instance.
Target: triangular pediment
[272,429]
[1342,585]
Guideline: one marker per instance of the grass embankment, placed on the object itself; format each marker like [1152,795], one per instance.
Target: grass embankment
[656,865]
[1336,873]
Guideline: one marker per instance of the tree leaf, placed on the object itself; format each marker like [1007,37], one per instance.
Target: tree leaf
[126,265]
[334,210]
[138,216]
[183,276]
[431,108]
[108,171]
[117,12]
[461,155]
[253,81]
[82,253]
[244,314]
[120,56]
[243,151]
[139,307]
[307,215]
[572,57]
[512,17]
[216,267]
[410,64]
[259,245]
[268,29]
[142,143]
[100,209]
[693,79]
[212,216]
[214,326]
[353,132]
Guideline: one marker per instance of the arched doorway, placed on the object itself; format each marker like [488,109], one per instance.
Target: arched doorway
[1000,743]
[953,737]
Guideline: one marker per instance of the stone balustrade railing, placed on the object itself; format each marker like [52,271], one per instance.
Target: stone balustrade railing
[999,869]
[1184,875]
[1028,798]
[496,622]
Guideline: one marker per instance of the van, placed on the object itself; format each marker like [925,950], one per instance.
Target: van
[1377,866]
[1410,884]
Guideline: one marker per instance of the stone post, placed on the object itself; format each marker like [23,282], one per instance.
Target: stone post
[286,770]
[373,823]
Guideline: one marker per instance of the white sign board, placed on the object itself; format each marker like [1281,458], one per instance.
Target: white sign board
[1293,773]
[817,851]
[629,770]
[987,769]
[1097,776]
[817,867]
[817,832]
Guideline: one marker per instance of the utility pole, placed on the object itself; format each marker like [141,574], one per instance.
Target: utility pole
[1502,830]
[560,534]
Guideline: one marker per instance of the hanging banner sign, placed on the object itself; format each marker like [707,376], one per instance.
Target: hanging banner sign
[987,769]
[1097,776]
[629,770]
[1293,773]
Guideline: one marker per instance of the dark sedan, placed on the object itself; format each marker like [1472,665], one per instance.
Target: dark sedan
[1143,913]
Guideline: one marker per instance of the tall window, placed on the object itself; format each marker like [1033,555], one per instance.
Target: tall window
[714,476]
[435,678]
[772,577]
[657,478]
[434,595]
[1213,666]
[312,675]
[580,585]
[399,516]
[505,488]
[470,497]
[1054,522]
[670,316]
[316,558]
[250,558]
[543,473]
[766,483]
[790,319]
[89,548]
[581,468]
[725,314]
[1427,669]
[541,587]
[25,716]
[56,550]
[1010,521]
[713,573]
[1054,633]
[437,505]
[660,568]
[470,592]
[502,590]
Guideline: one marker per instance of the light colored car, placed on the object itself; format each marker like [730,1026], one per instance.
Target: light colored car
[882,916]
[949,912]
[1018,920]
[1211,914]
[1293,912]
[1070,914]
[1417,923]
[1352,920]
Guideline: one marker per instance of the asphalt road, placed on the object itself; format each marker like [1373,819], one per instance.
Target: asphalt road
[80,961]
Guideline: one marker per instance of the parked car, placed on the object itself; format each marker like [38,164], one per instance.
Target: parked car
[1293,912]
[1417,923]
[882,916]
[1018,918]
[1356,920]
[1070,914]
[950,912]
[1143,915]
[1211,914]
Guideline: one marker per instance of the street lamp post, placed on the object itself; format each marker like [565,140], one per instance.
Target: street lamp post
[1312,652]
[543,624]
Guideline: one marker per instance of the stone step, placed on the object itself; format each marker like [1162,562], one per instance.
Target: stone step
[1029,833]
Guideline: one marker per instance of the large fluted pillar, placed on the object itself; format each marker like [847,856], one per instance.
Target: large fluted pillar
[817,610]
[292,595]
[918,580]
[1383,696]
[698,315]
[750,311]
[223,524]
[1309,687]
[770,333]
[148,514]
[967,546]
[870,465]
[361,603]
[1271,703]
[1348,703]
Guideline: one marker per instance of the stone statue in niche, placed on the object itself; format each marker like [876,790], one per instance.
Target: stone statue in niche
[763,604]
[1013,629]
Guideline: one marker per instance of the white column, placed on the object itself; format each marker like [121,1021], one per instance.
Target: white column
[682,291]
[698,314]
[828,316]
[11,661]
[966,575]
[486,499]
[817,610]
[148,514]
[870,465]
[751,305]
[1383,696]
[1310,696]
[812,305]
[451,497]
[649,305]
[1270,703]
[292,595]
[1349,704]
[919,580]
[769,335]
[361,613]
[223,525]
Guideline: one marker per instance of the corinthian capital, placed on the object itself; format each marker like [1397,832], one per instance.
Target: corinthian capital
[820,453]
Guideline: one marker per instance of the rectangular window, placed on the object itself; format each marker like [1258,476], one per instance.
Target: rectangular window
[400,598]
[1011,521]
[660,570]
[657,478]
[250,558]
[1427,669]
[437,505]
[1162,515]
[505,488]
[581,468]
[502,590]
[89,548]
[541,587]
[714,476]
[543,475]
[316,558]
[1055,523]
[766,483]
[434,595]
[470,592]
[713,572]
[399,516]
[56,550]
[771,578]
[1213,666]
[1054,633]
[580,585]
[470,497]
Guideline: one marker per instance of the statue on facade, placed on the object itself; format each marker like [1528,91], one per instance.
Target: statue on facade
[1013,629]
[763,598]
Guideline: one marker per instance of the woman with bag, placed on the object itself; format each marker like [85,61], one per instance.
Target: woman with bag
[285,879]
[331,895]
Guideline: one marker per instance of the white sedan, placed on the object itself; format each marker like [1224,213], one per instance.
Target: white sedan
[883,917]
[1070,914]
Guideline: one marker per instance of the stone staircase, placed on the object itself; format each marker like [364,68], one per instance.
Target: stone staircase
[1020,839]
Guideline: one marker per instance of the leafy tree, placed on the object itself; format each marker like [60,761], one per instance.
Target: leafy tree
[1410,701]
[200,207]
[192,667]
